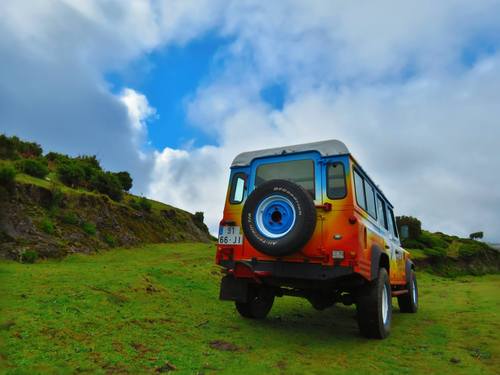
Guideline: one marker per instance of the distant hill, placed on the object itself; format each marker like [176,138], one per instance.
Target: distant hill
[53,204]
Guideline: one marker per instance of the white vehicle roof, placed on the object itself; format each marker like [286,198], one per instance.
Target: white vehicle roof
[330,147]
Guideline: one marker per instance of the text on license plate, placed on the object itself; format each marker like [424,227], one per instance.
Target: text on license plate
[230,235]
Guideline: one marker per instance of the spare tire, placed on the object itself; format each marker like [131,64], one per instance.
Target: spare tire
[278,217]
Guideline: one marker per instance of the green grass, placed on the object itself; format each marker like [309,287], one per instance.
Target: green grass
[132,311]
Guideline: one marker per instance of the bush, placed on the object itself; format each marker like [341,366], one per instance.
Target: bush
[13,147]
[89,228]
[7,148]
[70,218]
[469,249]
[437,252]
[125,180]
[432,240]
[29,256]
[56,157]
[141,204]
[33,167]
[107,183]
[56,196]
[199,217]
[71,173]
[47,226]
[7,176]
[110,240]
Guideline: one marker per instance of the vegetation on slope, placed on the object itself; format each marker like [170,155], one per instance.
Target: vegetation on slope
[155,308]
[53,205]
[448,255]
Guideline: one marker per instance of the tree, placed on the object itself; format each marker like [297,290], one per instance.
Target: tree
[476,235]
[125,180]
[107,183]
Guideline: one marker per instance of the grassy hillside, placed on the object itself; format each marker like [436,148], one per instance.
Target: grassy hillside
[447,255]
[52,205]
[129,311]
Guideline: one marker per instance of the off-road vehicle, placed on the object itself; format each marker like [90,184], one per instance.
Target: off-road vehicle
[307,221]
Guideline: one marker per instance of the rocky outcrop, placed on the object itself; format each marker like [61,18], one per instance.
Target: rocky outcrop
[55,223]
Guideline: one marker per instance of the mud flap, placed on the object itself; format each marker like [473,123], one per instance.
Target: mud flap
[232,289]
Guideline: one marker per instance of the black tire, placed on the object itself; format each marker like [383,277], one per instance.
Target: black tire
[408,303]
[260,302]
[370,306]
[300,232]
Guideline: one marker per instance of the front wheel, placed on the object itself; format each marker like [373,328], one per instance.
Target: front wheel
[260,302]
[374,307]
[408,303]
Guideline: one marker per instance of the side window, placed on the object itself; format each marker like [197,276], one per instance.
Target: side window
[382,220]
[237,188]
[360,191]
[335,181]
[370,200]
[391,223]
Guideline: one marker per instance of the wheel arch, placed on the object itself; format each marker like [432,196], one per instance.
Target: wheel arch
[379,258]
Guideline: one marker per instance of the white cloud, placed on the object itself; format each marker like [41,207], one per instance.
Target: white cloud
[387,78]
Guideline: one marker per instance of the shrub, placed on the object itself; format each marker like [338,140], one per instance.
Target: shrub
[125,180]
[436,252]
[56,196]
[7,176]
[469,249]
[110,240]
[29,256]
[107,183]
[199,217]
[71,173]
[57,157]
[7,148]
[33,167]
[47,226]
[70,218]
[13,147]
[141,204]
[89,228]
[432,240]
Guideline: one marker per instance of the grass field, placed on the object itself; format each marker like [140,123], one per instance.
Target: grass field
[155,308]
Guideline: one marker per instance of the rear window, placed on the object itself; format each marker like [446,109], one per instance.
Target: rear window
[300,172]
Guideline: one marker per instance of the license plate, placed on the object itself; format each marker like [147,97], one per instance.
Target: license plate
[230,236]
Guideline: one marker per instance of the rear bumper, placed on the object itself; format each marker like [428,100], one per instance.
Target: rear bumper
[292,270]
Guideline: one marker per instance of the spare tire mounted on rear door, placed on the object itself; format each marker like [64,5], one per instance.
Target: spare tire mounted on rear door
[279,217]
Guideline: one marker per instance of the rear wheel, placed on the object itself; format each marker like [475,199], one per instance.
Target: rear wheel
[408,303]
[260,301]
[374,307]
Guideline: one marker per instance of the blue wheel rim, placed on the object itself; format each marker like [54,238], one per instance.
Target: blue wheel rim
[275,216]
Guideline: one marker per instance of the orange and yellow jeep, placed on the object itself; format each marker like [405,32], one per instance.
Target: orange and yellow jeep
[307,221]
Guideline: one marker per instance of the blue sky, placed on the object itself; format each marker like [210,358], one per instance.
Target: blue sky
[172,90]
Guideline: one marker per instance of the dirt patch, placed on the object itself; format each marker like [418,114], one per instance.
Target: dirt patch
[224,346]
[166,367]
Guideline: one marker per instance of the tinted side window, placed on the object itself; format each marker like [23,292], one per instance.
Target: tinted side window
[381,212]
[360,191]
[237,188]
[335,181]
[370,200]
[390,222]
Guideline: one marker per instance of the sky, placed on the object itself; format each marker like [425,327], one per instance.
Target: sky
[172,90]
